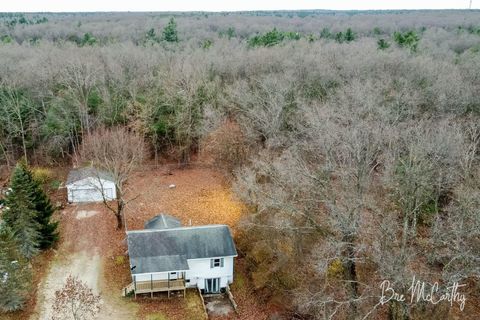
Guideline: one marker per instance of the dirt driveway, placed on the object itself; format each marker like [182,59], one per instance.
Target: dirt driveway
[79,256]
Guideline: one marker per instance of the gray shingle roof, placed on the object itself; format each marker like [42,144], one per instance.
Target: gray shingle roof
[168,249]
[162,221]
[158,264]
[81,173]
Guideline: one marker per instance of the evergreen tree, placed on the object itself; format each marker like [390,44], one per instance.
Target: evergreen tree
[383,44]
[349,35]
[88,39]
[15,276]
[151,36]
[339,37]
[408,39]
[231,33]
[170,31]
[268,39]
[29,207]
[20,214]
[325,33]
[44,211]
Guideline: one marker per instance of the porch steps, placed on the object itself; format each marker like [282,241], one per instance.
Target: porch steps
[126,290]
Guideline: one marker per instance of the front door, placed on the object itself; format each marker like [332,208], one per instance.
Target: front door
[212,285]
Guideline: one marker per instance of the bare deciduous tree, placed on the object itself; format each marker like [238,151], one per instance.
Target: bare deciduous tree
[118,152]
[75,301]
[15,114]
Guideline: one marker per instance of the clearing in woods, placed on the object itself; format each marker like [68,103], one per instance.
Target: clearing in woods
[91,248]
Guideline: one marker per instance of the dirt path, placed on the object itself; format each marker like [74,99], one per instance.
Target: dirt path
[81,258]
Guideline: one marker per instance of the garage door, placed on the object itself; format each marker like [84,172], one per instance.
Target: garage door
[90,195]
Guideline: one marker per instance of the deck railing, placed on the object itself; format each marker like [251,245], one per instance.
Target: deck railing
[152,286]
[158,285]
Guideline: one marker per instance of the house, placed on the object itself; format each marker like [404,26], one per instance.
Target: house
[168,257]
[90,185]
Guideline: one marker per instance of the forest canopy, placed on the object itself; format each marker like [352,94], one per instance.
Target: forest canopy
[352,137]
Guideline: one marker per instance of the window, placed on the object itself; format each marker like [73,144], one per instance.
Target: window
[216,263]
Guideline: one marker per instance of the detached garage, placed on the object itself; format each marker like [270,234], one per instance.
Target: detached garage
[90,185]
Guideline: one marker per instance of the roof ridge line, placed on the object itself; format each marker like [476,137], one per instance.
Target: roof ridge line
[178,228]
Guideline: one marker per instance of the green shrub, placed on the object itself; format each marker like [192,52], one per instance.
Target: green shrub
[151,36]
[377,31]
[325,33]
[269,39]
[6,39]
[292,35]
[119,260]
[272,38]
[207,43]
[88,39]
[383,44]
[229,33]
[339,37]
[55,184]
[335,269]
[407,39]
[42,175]
[475,49]
[347,36]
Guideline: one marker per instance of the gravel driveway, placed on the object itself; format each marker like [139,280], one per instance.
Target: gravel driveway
[86,264]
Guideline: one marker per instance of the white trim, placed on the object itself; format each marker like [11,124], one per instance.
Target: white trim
[86,178]
[208,258]
[140,274]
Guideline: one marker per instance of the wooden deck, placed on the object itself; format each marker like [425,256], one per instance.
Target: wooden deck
[139,287]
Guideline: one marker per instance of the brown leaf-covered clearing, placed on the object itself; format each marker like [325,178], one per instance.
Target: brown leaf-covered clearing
[201,196]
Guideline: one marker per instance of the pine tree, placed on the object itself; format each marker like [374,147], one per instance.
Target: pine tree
[44,211]
[349,35]
[151,36]
[383,44]
[15,275]
[325,33]
[339,37]
[170,31]
[30,207]
[20,214]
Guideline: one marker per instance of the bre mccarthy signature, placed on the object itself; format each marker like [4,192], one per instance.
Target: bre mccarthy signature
[421,291]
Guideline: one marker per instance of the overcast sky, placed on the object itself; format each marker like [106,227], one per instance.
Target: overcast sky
[225,5]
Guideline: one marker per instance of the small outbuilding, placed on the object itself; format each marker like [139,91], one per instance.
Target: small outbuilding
[90,185]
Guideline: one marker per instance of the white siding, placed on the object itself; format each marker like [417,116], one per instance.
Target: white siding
[89,190]
[199,271]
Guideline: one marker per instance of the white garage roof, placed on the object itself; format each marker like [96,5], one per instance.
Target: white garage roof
[87,172]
